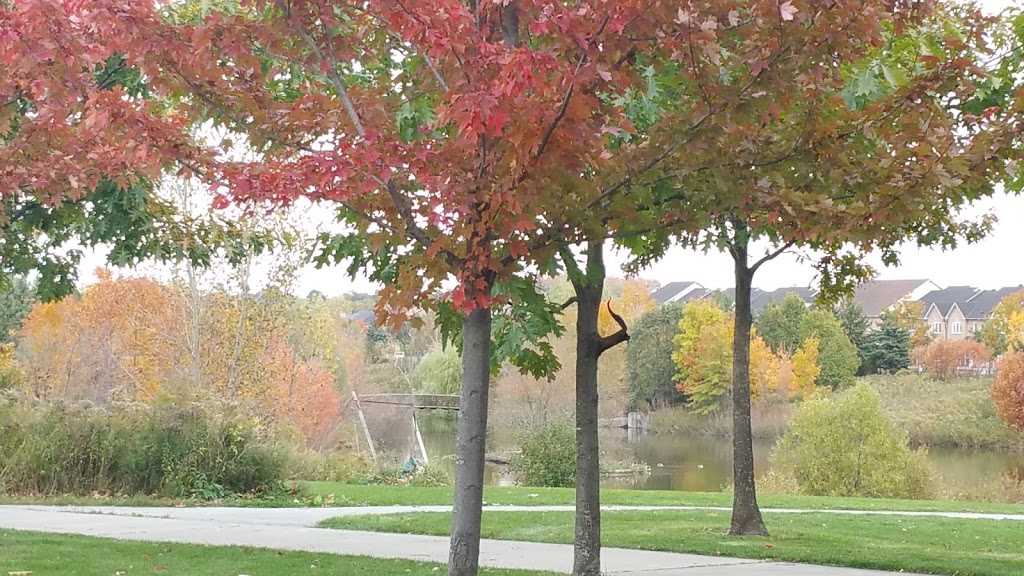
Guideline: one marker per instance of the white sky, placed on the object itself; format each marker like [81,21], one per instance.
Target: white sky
[994,262]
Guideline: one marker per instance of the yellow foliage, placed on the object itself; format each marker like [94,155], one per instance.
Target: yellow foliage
[703,355]
[1008,319]
[764,367]
[804,365]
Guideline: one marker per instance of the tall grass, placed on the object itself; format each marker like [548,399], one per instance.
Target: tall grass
[78,449]
[768,421]
[957,412]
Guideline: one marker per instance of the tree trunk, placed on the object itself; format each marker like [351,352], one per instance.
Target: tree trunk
[467,510]
[746,516]
[587,548]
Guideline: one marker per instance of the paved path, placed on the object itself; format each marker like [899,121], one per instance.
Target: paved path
[292,529]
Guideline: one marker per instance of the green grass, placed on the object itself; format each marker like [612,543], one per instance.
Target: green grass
[338,494]
[56,554]
[926,545]
[370,495]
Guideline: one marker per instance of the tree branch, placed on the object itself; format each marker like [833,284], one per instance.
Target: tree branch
[332,70]
[568,303]
[772,255]
[622,335]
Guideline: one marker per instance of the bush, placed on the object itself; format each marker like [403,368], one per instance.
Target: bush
[949,359]
[548,456]
[1008,390]
[76,449]
[849,447]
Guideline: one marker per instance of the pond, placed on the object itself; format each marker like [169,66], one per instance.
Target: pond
[704,464]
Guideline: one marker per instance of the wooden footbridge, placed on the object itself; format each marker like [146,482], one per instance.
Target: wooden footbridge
[412,401]
[417,401]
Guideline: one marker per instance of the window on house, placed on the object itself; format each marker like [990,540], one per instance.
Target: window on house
[958,328]
[937,327]
[977,326]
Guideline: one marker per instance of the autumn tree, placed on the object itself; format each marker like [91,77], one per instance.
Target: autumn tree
[1008,390]
[1008,321]
[82,145]
[909,315]
[952,358]
[703,356]
[789,324]
[811,173]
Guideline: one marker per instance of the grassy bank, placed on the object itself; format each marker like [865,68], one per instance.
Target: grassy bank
[56,554]
[926,545]
[954,413]
[357,495]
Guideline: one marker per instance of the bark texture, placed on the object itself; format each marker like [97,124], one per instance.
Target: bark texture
[587,549]
[464,551]
[746,515]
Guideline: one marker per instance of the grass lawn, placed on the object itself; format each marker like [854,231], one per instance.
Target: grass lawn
[371,495]
[927,545]
[56,554]
[338,494]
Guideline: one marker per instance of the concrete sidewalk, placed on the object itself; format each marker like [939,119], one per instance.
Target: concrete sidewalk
[290,529]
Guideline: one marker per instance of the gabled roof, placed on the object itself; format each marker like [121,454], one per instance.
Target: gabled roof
[756,296]
[945,299]
[677,292]
[806,294]
[980,306]
[877,296]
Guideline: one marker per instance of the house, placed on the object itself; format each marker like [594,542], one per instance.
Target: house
[878,296]
[944,312]
[775,296]
[978,309]
[678,292]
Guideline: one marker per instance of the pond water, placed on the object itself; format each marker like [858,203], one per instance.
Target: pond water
[704,464]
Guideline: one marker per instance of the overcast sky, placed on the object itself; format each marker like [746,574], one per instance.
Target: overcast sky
[991,263]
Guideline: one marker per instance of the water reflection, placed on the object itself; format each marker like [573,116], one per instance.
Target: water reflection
[704,464]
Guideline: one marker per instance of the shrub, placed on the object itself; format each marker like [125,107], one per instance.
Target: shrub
[77,449]
[1008,390]
[948,359]
[548,456]
[849,447]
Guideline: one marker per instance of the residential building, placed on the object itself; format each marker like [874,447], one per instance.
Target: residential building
[944,312]
[775,296]
[978,309]
[678,292]
[878,296]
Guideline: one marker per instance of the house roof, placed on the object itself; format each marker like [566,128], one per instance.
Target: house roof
[877,296]
[667,292]
[945,299]
[980,306]
[806,294]
[364,316]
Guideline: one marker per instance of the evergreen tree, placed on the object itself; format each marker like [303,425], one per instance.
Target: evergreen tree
[888,349]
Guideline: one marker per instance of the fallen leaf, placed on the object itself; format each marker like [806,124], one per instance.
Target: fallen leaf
[787,11]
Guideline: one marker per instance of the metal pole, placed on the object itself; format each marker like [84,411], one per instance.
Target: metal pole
[366,429]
